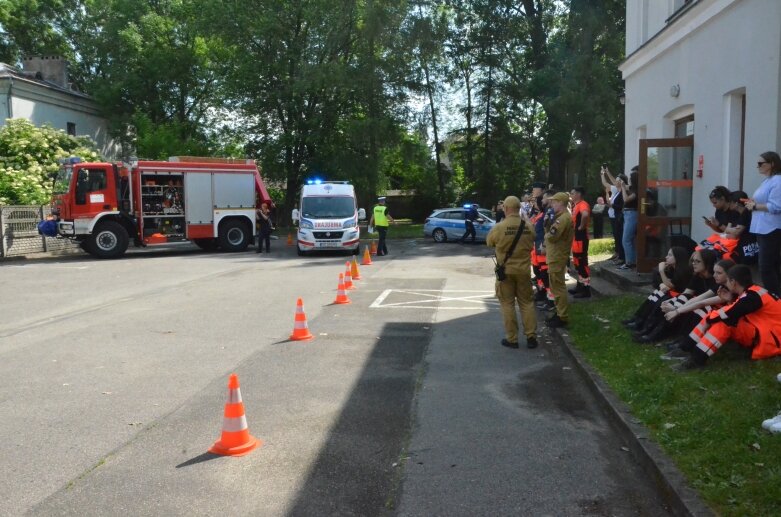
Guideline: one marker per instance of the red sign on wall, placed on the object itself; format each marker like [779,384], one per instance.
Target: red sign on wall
[700,166]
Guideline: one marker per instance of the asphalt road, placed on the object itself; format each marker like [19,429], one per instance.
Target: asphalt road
[113,379]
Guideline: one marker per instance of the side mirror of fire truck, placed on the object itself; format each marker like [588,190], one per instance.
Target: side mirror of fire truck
[361,214]
[294,215]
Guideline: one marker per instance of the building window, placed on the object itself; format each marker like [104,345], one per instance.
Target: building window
[684,127]
[72,128]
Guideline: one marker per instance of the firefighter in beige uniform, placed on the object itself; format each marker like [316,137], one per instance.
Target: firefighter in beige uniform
[558,243]
[517,285]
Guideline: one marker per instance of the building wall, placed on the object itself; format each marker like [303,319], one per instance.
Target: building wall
[715,52]
[41,105]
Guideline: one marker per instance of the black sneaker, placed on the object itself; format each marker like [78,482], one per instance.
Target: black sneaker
[509,344]
[542,305]
[676,354]
[531,342]
[578,287]
[688,364]
[555,322]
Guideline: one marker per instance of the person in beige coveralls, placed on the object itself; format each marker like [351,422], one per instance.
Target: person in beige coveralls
[558,242]
[517,285]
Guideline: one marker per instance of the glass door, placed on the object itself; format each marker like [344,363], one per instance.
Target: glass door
[665,197]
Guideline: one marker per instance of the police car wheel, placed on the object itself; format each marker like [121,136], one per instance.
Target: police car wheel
[439,235]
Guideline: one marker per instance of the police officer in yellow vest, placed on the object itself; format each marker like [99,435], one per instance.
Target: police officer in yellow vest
[558,243]
[380,220]
[517,284]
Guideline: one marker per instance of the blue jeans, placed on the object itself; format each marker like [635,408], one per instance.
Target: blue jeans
[630,229]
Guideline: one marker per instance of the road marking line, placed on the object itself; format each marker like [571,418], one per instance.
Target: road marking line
[482,298]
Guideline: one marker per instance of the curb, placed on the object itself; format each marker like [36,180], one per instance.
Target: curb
[679,496]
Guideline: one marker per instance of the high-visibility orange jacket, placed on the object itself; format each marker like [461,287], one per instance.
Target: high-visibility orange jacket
[761,309]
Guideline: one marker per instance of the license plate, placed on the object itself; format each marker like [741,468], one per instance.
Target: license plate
[328,244]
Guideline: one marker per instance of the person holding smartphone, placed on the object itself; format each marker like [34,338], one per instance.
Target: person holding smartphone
[615,212]
[765,206]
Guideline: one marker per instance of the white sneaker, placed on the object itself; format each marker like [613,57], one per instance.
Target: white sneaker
[775,428]
[779,377]
[770,422]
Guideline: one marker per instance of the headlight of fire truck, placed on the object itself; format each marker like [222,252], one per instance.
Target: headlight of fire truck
[350,223]
[306,225]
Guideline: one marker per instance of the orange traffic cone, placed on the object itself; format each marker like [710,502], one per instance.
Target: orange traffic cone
[356,275]
[374,247]
[300,328]
[348,278]
[367,258]
[289,239]
[235,439]
[341,295]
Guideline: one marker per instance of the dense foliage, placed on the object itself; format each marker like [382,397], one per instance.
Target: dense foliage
[456,99]
[29,160]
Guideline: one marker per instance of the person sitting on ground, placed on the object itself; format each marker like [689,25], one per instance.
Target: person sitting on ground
[684,318]
[672,277]
[702,263]
[753,320]
[719,223]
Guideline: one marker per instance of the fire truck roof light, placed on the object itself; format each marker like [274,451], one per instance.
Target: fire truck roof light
[70,160]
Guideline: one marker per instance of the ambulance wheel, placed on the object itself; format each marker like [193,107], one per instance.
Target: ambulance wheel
[299,251]
[109,240]
[356,250]
[206,244]
[234,236]
[439,235]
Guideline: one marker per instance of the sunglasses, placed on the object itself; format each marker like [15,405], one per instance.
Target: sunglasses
[760,164]
[696,261]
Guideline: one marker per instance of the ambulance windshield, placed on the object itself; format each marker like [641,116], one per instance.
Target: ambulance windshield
[325,207]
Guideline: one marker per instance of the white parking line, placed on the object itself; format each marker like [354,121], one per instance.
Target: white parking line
[437,299]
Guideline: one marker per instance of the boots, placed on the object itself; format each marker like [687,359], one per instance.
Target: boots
[585,292]
[578,287]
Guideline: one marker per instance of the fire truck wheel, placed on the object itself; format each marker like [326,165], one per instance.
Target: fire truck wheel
[109,240]
[234,236]
[206,244]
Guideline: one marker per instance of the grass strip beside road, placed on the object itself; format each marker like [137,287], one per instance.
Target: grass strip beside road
[708,421]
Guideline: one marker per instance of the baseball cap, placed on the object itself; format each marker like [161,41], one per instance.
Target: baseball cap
[381,198]
[562,197]
[512,202]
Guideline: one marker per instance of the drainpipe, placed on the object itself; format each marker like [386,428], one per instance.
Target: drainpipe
[8,97]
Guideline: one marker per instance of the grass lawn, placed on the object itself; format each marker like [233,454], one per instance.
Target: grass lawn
[708,421]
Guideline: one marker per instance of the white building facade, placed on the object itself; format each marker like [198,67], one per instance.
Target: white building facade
[44,97]
[707,69]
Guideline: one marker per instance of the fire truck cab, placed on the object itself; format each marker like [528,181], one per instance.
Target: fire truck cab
[105,206]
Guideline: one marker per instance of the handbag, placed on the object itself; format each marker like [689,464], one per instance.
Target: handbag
[499,270]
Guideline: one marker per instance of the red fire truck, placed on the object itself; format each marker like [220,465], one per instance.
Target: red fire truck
[209,201]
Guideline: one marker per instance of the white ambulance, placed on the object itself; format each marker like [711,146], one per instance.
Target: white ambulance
[328,217]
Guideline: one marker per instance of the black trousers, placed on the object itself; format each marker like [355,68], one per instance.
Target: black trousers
[382,249]
[470,230]
[264,237]
[769,251]
[617,224]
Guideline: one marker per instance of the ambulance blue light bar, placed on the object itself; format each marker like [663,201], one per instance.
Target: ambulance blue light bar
[314,181]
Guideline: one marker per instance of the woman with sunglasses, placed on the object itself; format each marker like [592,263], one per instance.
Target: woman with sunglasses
[765,206]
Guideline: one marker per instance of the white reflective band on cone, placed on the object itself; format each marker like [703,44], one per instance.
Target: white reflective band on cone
[234,396]
[300,325]
[236,424]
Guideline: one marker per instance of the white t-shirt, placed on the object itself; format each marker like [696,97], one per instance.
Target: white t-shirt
[611,213]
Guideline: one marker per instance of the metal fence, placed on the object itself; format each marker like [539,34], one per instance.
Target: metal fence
[19,232]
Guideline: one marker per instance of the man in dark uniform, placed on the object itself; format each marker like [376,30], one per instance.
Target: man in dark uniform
[517,284]
[471,216]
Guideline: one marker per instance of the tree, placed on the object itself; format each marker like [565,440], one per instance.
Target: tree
[29,160]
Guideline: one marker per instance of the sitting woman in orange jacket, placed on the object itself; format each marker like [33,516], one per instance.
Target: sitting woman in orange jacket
[753,320]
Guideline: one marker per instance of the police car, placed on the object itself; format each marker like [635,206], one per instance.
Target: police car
[449,224]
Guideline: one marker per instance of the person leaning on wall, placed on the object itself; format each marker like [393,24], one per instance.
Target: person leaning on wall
[765,206]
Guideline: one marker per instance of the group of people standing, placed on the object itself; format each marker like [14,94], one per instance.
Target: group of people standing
[541,238]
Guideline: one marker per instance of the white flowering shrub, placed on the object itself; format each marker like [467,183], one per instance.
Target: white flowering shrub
[29,160]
